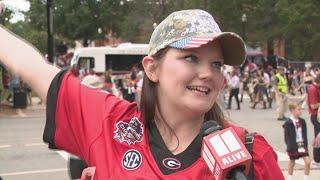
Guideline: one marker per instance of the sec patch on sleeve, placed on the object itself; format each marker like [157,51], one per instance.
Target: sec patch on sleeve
[131,160]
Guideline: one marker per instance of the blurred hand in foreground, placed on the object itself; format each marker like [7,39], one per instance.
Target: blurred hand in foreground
[1,7]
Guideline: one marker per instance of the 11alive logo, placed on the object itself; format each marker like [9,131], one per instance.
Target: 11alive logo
[222,151]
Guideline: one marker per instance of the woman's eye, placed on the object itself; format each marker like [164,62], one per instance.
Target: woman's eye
[190,58]
[217,65]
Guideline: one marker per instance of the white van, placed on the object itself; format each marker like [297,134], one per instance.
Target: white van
[120,59]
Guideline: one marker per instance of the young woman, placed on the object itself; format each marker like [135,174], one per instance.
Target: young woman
[162,139]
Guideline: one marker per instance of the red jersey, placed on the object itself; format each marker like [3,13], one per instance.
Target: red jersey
[110,134]
[313,97]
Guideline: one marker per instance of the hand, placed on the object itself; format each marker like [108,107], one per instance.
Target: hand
[1,7]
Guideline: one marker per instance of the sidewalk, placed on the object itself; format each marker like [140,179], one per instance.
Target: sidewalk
[299,171]
[33,110]
[298,174]
[298,168]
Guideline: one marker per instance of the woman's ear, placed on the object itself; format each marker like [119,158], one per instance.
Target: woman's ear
[150,67]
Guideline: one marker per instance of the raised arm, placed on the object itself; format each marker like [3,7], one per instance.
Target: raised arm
[25,60]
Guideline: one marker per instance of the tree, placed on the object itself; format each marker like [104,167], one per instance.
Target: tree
[300,28]
[133,20]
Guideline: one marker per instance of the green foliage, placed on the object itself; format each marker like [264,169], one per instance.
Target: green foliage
[300,28]
[298,22]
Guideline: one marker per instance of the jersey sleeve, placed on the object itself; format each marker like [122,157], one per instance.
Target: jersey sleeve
[265,161]
[77,115]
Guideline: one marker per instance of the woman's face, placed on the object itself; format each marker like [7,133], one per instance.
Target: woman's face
[190,79]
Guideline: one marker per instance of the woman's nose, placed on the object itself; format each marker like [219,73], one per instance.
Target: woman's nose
[208,74]
[205,71]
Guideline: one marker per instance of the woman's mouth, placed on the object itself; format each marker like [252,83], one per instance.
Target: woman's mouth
[199,89]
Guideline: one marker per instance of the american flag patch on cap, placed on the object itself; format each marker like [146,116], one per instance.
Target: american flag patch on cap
[191,42]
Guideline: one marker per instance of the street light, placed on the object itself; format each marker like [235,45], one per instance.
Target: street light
[99,30]
[154,25]
[244,20]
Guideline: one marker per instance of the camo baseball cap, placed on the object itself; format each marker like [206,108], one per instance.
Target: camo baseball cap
[188,29]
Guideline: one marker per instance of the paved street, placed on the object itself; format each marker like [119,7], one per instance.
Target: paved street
[24,156]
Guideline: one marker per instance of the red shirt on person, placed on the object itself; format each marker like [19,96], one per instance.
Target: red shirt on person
[313,97]
[110,134]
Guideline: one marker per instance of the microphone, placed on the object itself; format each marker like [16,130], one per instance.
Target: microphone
[224,153]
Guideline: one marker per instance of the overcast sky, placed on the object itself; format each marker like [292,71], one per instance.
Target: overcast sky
[17,6]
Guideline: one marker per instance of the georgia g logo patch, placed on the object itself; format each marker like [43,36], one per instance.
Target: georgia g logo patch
[130,133]
[171,163]
[131,160]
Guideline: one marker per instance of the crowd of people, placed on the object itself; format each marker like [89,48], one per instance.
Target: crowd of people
[268,86]
[291,89]
[126,86]
[13,84]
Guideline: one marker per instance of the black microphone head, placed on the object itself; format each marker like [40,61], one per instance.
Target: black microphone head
[206,125]
[209,127]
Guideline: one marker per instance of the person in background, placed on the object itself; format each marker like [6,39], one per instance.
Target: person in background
[139,84]
[260,90]
[234,85]
[13,84]
[224,90]
[128,89]
[295,136]
[180,88]
[313,106]
[281,94]
[307,79]
[134,72]
[245,81]
[272,88]
[5,80]
[108,81]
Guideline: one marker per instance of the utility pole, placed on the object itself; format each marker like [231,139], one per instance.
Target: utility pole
[50,51]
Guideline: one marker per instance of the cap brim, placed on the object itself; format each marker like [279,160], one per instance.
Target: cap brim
[233,47]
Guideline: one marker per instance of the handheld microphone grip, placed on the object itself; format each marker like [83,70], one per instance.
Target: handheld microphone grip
[225,154]
[237,174]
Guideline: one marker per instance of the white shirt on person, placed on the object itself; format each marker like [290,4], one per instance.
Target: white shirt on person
[266,78]
[298,128]
[234,82]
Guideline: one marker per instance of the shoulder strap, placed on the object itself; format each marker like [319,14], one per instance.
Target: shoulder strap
[249,138]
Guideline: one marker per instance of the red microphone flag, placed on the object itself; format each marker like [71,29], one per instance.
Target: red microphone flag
[222,151]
